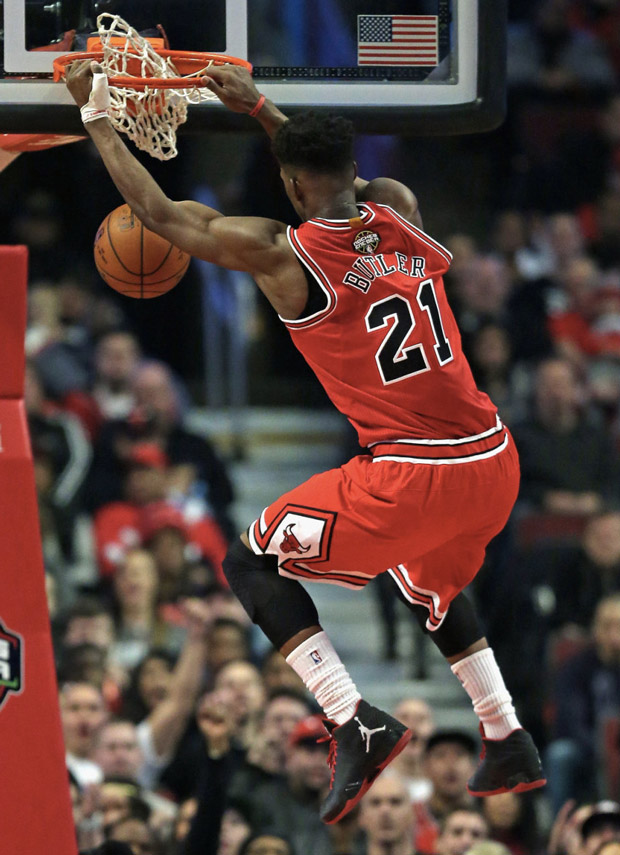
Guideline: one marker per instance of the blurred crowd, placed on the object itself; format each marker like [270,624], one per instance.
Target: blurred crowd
[185,734]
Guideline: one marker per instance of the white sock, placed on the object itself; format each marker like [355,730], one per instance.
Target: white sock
[483,682]
[319,666]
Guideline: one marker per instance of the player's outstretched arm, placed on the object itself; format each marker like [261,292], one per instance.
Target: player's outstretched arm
[235,88]
[240,243]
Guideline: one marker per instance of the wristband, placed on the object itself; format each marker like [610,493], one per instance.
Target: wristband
[89,114]
[257,107]
[99,101]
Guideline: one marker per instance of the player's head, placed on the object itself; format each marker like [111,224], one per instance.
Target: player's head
[311,147]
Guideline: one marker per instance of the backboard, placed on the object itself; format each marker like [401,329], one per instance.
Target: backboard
[420,66]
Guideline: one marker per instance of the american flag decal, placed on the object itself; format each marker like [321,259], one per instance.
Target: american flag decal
[397,40]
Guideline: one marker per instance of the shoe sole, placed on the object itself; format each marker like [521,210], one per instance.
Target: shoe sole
[400,746]
[521,787]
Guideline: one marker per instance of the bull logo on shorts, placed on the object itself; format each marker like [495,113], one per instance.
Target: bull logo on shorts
[10,663]
[290,542]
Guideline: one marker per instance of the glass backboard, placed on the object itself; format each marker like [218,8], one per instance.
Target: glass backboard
[424,66]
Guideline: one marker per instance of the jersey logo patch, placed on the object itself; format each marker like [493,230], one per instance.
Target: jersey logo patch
[290,542]
[10,663]
[297,531]
[366,241]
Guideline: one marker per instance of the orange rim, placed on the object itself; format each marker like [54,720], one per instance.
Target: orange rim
[190,63]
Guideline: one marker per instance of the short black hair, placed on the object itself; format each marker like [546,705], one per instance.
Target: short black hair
[265,833]
[315,141]
[454,737]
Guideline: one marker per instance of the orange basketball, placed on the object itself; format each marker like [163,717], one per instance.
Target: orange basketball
[135,261]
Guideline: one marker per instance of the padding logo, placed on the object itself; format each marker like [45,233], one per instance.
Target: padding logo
[366,241]
[11,663]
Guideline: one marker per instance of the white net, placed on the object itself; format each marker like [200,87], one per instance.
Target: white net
[149,117]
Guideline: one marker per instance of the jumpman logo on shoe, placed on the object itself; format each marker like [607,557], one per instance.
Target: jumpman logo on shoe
[366,733]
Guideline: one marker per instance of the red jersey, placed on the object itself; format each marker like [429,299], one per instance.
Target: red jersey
[386,347]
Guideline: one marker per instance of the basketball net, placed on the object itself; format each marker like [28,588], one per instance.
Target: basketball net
[149,117]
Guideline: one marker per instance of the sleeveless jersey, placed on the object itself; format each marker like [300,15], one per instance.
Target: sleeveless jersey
[385,346]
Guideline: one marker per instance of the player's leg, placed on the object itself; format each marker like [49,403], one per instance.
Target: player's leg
[510,760]
[366,739]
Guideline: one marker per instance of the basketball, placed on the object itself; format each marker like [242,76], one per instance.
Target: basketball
[135,261]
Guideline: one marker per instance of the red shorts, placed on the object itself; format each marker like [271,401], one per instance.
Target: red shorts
[423,517]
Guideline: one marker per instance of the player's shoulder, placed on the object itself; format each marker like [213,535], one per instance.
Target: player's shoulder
[394,194]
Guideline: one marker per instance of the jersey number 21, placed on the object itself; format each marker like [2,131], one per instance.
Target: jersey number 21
[394,361]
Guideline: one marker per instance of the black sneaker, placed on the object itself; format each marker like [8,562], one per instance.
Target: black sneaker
[360,748]
[507,765]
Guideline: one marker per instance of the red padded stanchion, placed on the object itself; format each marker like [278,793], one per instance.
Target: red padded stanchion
[34,791]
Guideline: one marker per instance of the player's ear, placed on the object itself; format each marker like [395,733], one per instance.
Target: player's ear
[297,189]
[355,170]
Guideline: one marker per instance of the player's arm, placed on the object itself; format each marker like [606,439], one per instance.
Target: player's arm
[239,243]
[236,90]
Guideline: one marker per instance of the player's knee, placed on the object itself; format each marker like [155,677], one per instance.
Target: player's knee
[460,627]
[241,567]
[280,607]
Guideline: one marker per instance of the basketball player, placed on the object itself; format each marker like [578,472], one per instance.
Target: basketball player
[359,287]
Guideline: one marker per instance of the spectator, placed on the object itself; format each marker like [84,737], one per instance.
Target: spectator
[121,798]
[418,716]
[197,472]
[481,293]
[137,834]
[62,455]
[162,697]
[276,672]
[62,365]
[139,626]
[175,540]
[460,830]
[146,517]
[235,830]
[513,821]
[570,317]
[119,755]
[601,828]
[495,372]
[568,464]
[549,55]
[586,692]
[116,359]
[228,641]
[488,847]
[89,621]
[559,241]
[221,822]
[266,755]
[290,805]
[449,761]
[83,663]
[386,817]
[241,682]
[266,844]
[117,524]
[82,713]
[580,576]
[584,830]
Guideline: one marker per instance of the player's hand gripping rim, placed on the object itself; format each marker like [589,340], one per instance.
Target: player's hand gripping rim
[235,88]
[88,84]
